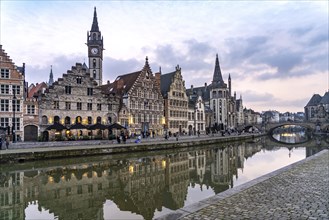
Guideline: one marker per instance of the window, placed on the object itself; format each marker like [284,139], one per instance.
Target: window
[78,120]
[99,120]
[4,103]
[4,89]
[79,79]
[94,63]
[90,91]
[68,105]
[67,120]
[16,124]
[5,73]
[90,120]
[110,107]
[67,89]
[31,109]
[56,104]
[79,106]
[44,120]
[16,105]
[94,74]
[99,107]
[56,119]
[89,106]
[4,122]
[16,89]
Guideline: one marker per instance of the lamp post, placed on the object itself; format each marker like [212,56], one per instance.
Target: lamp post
[14,119]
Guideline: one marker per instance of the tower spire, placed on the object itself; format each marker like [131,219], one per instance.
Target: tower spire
[94,26]
[51,76]
[217,77]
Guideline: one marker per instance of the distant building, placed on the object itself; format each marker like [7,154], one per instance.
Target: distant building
[317,109]
[12,92]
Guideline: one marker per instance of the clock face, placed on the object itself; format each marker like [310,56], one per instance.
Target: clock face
[94,50]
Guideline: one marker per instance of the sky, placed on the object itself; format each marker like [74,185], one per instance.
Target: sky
[275,51]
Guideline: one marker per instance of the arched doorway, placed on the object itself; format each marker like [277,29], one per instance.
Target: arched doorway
[30,133]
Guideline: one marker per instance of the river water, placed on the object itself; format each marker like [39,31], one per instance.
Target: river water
[138,186]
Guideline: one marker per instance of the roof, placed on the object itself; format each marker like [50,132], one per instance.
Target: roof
[218,81]
[122,84]
[315,100]
[325,99]
[203,91]
[166,80]
[35,89]
[94,27]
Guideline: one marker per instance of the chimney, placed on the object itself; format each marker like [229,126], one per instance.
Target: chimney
[108,81]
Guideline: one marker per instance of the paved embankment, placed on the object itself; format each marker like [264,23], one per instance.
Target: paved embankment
[19,152]
[297,191]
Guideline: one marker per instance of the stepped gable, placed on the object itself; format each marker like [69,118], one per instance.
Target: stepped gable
[315,100]
[325,99]
[77,70]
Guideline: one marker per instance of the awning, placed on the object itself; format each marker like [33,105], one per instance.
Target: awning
[97,126]
[78,126]
[116,126]
[56,126]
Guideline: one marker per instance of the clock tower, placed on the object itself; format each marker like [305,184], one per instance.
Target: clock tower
[95,51]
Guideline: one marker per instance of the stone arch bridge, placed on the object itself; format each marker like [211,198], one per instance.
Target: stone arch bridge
[269,127]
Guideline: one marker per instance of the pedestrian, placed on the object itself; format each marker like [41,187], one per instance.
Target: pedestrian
[198,133]
[177,134]
[0,143]
[7,144]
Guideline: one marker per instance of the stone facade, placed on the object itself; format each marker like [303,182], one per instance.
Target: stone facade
[175,101]
[317,109]
[12,84]
[141,102]
[76,99]
[196,115]
[31,111]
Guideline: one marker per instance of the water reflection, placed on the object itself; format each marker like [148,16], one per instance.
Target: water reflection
[290,134]
[141,187]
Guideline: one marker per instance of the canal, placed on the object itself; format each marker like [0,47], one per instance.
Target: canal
[140,185]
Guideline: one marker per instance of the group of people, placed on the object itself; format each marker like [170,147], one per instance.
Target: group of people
[6,143]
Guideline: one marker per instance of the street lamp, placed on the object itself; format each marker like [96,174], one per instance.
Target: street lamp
[14,119]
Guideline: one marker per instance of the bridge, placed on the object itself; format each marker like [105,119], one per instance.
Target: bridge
[269,127]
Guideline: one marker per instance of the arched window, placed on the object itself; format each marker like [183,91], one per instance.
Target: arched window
[78,120]
[67,120]
[44,120]
[99,120]
[56,119]
[94,36]
[90,120]
[109,120]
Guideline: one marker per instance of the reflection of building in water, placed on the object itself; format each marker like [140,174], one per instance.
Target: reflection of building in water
[177,180]
[197,166]
[141,185]
[11,196]
[138,186]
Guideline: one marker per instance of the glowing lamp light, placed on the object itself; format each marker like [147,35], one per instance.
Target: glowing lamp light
[164,164]
[131,169]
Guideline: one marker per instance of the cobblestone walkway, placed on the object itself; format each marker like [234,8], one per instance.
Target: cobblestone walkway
[299,191]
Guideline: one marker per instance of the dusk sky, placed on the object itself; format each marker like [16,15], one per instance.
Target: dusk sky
[275,51]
